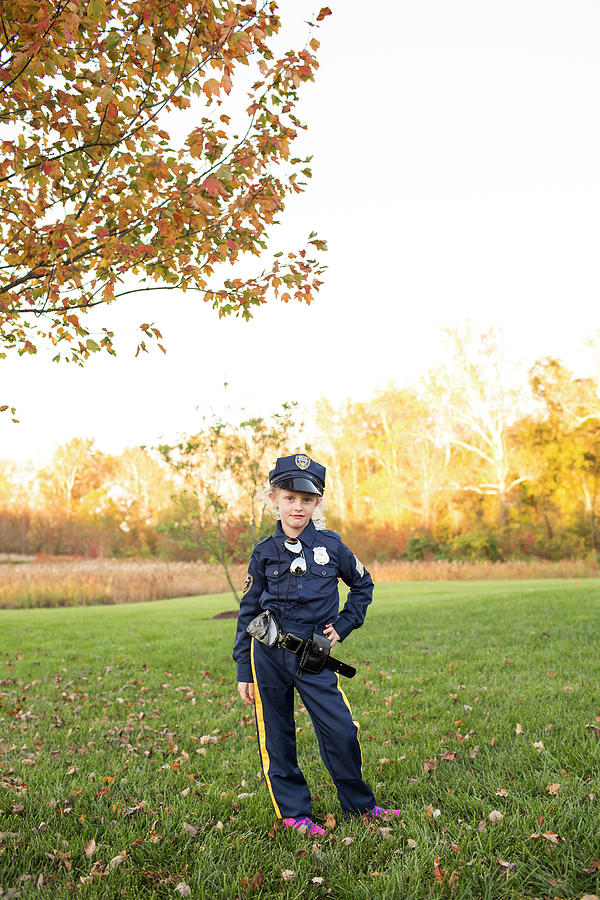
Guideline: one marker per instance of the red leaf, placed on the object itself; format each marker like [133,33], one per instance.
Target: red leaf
[325,11]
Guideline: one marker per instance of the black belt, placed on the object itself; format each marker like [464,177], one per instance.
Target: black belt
[314,654]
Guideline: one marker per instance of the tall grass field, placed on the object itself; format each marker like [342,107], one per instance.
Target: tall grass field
[129,767]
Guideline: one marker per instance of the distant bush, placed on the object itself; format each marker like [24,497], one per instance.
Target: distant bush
[474,546]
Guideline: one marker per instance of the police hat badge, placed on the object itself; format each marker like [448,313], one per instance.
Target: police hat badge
[302,461]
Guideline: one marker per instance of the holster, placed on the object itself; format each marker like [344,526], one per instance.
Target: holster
[315,653]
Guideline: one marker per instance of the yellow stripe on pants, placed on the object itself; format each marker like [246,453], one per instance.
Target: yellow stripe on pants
[345,699]
[262,736]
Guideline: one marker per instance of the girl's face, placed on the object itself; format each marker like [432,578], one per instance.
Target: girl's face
[295,509]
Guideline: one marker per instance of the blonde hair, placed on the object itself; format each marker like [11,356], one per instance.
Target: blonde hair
[318,517]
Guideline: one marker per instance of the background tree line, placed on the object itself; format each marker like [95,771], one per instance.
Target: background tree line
[465,465]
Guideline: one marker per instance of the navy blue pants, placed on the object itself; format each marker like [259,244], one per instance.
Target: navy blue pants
[275,677]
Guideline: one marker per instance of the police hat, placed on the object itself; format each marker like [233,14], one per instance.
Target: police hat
[298,473]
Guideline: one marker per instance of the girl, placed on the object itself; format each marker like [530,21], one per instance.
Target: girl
[291,594]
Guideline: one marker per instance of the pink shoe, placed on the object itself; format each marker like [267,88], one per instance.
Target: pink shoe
[377,811]
[304,824]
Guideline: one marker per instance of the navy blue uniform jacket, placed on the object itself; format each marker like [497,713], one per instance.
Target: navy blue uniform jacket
[312,599]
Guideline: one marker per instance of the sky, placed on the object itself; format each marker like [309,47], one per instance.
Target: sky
[456,180]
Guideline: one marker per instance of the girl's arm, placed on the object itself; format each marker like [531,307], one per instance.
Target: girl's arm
[249,608]
[354,574]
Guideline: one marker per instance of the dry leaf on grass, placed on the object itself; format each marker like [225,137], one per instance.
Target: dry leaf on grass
[437,871]
[593,867]
[329,822]
[549,836]
[495,816]
[288,874]
[552,789]
[183,889]
[90,848]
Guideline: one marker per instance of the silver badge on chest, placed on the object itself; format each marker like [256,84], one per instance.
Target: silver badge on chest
[321,555]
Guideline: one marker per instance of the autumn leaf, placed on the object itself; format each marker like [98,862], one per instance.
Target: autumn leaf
[325,11]
[90,848]
[183,889]
[432,813]
[288,874]
[437,871]
[519,729]
[553,789]
[117,860]
[329,822]
[495,816]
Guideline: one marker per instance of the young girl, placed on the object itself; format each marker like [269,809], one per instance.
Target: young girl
[293,577]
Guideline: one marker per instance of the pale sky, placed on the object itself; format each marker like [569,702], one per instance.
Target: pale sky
[456,178]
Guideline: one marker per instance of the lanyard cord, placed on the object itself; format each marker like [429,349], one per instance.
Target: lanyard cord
[287,593]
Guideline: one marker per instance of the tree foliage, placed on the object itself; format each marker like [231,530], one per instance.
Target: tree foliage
[101,197]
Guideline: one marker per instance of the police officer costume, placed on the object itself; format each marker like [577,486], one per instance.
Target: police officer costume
[302,604]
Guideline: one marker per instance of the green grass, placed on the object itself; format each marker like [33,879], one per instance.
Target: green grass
[100,738]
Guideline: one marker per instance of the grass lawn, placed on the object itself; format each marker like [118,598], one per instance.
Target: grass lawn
[130,769]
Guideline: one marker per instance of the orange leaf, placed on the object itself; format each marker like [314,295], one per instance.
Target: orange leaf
[325,11]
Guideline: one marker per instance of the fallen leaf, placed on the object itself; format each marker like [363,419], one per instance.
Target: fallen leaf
[429,765]
[437,871]
[539,746]
[549,836]
[495,816]
[117,860]
[519,729]
[329,822]
[288,874]
[90,848]
[510,867]
[348,840]
[190,830]
[502,793]
[593,867]
[412,844]
[385,832]
[431,812]
[183,889]
[552,788]
[316,880]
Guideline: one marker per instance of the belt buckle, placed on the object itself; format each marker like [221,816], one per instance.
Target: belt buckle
[292,643]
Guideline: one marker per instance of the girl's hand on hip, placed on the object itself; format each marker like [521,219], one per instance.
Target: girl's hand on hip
[330,632]
[246,692]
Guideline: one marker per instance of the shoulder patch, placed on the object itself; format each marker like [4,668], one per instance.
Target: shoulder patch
[247,584]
